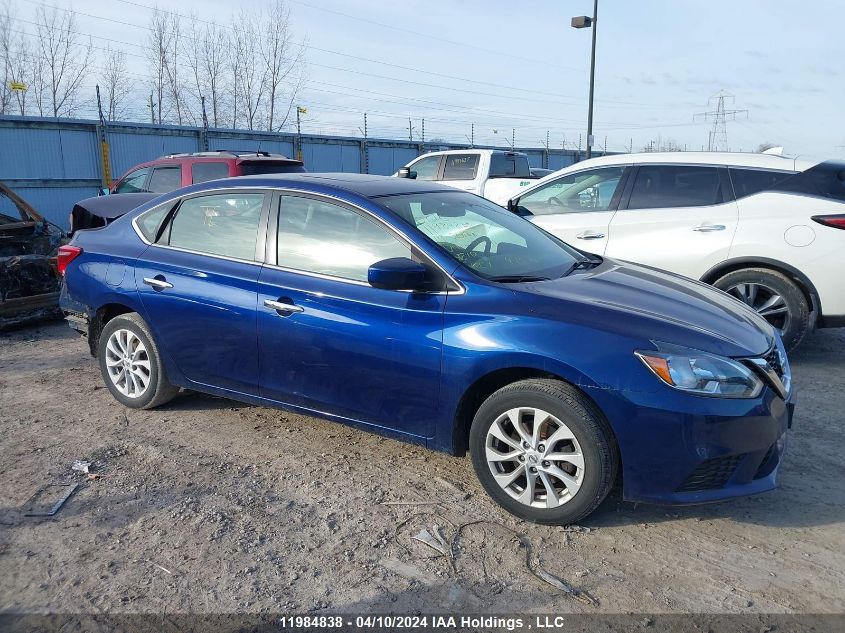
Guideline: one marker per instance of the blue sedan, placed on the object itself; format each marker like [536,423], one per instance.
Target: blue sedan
[433,316]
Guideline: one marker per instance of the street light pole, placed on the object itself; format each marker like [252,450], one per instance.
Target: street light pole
[592,82]
[580,23]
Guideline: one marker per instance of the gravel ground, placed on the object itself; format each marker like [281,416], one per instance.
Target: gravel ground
[207,505]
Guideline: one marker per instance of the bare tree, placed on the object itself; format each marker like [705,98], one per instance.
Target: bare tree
[116,83]
[158,52]
[63,60]
[283,60]
[250,78]
[206,51]
[5,57]
[174,81]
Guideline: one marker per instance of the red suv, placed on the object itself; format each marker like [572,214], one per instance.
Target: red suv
[180,170]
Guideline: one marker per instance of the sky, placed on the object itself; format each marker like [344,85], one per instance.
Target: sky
[520,69]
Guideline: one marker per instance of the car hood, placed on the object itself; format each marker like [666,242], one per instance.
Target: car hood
[646,303]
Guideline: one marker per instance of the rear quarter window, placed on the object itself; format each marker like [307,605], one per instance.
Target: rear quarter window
[259,168]
[509,166]
[148,223]
[826,180]
[203,172]
[747,182]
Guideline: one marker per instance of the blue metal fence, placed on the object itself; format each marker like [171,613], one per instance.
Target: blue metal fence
[52,163]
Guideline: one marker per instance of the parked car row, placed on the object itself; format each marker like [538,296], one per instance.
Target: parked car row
[763,228]
[453,322]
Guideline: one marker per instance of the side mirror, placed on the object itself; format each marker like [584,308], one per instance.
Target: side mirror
[513,207]
[397,273]
[405,172]
[102,191]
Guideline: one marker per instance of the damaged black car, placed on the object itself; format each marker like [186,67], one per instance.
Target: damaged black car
[29,280]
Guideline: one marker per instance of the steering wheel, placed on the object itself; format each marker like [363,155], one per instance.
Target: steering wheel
[558,201]
[488,244]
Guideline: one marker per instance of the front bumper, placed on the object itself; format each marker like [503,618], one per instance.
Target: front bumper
[681,449]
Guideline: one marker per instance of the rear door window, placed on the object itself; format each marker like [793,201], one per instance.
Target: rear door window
[165,179]
[427,167]
[134,181]
[203,172]
[221,224]
[509,166]
[460,167]
[664,186]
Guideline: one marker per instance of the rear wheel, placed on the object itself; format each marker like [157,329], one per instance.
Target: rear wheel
[131,365]
[774,297]
[543,451]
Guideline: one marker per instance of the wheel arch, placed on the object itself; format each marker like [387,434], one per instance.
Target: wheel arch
[486,385]
[738,263]
[101,316]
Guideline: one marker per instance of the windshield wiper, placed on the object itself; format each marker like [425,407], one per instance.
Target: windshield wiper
[515,279]
[584,263]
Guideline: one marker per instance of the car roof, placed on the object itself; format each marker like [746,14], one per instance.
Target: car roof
[732,159]
[361,184]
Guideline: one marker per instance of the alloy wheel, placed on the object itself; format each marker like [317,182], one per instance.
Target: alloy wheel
[766,301]
[534,457]
[128,363]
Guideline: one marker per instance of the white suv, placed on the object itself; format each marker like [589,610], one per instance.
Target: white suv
[766,229]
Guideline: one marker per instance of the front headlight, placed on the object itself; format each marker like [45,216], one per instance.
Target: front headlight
[702,373]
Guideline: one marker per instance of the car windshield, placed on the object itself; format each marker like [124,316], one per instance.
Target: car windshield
[488,239]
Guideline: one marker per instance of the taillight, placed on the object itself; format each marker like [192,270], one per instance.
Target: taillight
[836,221]
[67,254]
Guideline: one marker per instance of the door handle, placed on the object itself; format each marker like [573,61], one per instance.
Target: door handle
[283,307]
[590,235]
[709,228]
[158,284]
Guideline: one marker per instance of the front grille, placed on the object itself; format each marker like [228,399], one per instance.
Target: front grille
[710,474]
[773,359]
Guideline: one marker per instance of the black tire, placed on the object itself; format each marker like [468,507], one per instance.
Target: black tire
[159,390]
[795,323]
[581,416]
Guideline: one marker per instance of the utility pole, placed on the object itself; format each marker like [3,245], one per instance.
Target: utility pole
[152,109]
[410,131]
[718,137]
[204,134]
[104,145]
[472,135]
[299,110]
[366,148]
[513,138]
[423,132]
[546,151]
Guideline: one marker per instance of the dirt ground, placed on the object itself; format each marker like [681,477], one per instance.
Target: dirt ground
[208,505]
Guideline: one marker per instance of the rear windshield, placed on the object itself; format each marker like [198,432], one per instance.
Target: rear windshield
[266,167]
[509,166]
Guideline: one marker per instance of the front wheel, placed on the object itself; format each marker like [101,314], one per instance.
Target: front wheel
[774,296]
[131,364]
[543,451]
